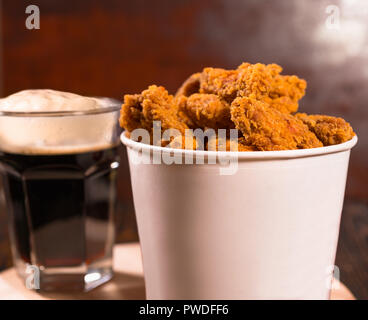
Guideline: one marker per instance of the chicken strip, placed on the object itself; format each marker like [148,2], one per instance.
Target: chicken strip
[330,130]
[269,129]
[153,104]
[207,111]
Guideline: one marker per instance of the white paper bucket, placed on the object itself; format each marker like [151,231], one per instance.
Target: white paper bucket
[267,231]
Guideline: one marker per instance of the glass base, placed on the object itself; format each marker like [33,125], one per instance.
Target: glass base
[75,279]
[74,282]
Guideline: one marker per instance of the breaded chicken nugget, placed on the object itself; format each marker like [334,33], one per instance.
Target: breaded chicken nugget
[208,111]
[285,93]
[256,79]
[260,80]
[220,82]
[269,129]
[221,144]
[266,84]
[183,142]
[330,130]
[153,104]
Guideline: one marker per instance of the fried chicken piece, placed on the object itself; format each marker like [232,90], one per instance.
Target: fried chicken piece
[266,83]
[220,82]
[256,99]
[288,86]
[269,129]
[181,102]
[330,130]
[243,145]
[183,142]
[283,104]
[263,81]
[286,92]
[221,144]
[189,86]
[256,79]
[153,104]
[207,111]
[245,80]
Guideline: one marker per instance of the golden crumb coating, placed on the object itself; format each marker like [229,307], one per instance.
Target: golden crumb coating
[220,82]
[286,92]
[153,104]
[256,79]
[216,143]
[183,142]
[221,144]
[208,111]
[189,86]
[262,81]
[288,86]
[269,129]
[244,145]
[256,99]
[181,102]
[330,130]
[266,84]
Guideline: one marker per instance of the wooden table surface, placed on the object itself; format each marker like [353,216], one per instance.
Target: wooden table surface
[128,282]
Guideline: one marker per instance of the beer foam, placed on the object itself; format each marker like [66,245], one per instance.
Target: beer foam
[48,101]
[45,134]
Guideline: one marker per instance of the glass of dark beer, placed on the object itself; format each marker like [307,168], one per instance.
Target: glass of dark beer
[59,171]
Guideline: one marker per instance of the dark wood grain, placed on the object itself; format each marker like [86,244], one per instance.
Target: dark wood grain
[114,47]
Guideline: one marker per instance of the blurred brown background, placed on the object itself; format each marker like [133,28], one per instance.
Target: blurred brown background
[113,47]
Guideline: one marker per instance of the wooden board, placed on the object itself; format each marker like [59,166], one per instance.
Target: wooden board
[128,282]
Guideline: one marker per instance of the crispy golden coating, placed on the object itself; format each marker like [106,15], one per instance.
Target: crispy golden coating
[221,144]
[181,102]
[262,81]
[189,86]
[269,129]
[288,86]
[220,82]
[207,111]
[245,80]
[266,84]
[254,98]
[153,104]
[183,142]
[244,145]
[283,104]
[330,130]
[256,79]
[286,92]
